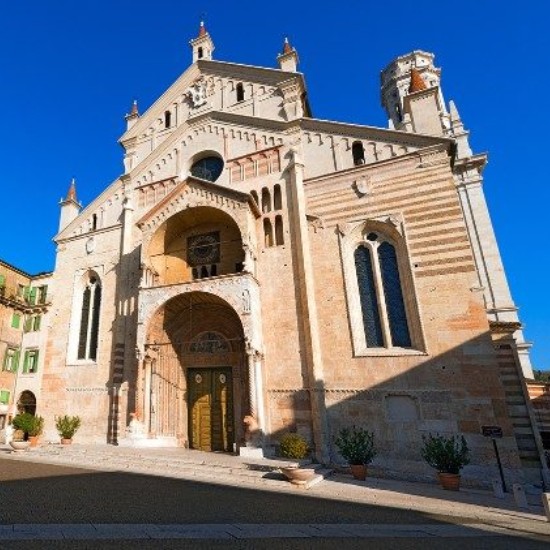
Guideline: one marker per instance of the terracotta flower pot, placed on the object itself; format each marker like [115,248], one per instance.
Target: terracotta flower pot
[66,441]
[359,471]
[33,440]
[298,476]
[449,482]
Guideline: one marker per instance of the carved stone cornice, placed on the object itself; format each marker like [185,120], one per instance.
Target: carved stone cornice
[504,327]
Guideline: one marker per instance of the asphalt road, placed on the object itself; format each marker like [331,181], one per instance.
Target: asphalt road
[32,493]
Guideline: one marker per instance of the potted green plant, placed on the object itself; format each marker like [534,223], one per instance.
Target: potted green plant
[66,427]
[36,427]
[294,446]
[448,455]
[356,445]
[22,423]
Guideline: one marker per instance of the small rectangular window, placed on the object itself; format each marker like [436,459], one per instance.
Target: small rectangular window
[4,397]
[15,320]
[32,295]
[11,360]
[42,294]
[30,363]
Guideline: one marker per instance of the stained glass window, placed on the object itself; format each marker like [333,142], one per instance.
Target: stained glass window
[369,300]
[208,168]
[393,294]
[89,320]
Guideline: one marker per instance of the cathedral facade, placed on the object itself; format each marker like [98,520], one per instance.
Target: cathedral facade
[253,261]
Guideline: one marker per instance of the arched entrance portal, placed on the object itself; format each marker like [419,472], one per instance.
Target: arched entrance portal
[195,373]
[26,402]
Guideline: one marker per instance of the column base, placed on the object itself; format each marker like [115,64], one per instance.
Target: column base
[251,452]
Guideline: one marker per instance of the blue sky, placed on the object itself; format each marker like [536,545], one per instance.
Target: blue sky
[69,71]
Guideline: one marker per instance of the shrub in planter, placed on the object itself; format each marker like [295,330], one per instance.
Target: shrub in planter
[356,445]
[37,426]
[448,455]
[23,422]
[67,426]
[293,445]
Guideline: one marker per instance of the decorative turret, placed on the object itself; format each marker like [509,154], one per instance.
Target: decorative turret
[288,60]
[202,45]
[412,96]
[70,207]
[132,116]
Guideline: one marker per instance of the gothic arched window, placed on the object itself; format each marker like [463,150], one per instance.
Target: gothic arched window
[89,319]
[381,295]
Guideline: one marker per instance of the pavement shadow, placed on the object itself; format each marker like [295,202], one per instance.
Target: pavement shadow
[47,494]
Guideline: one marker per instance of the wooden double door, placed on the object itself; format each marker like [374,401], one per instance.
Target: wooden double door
[211,422]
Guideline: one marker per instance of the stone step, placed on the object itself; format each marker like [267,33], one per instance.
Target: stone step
[227,468]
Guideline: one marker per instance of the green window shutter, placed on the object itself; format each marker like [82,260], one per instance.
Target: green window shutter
[37,322]
[4,397]
[26,291]
[43,294]
[32,295]
[26,362]
[2,280]
[15,320]
[15,362]
[6,365]
[27,325]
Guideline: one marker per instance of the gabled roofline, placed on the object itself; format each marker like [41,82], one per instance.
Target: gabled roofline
[220,189]
[272,76]
[85,210]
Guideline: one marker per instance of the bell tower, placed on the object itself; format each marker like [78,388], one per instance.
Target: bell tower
[202,45]
[412,96]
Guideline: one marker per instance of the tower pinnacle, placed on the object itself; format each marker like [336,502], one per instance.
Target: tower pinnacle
[288,60]
[70,207]
[202,45]
[71,193]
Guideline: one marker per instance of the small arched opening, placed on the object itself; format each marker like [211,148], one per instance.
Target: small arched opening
[26,403]
[358,152]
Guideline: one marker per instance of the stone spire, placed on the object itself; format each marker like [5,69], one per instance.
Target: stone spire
[70,207]
[132,116]
[288,60]
[417,82]
[71,193]
[202,45]
[286,46]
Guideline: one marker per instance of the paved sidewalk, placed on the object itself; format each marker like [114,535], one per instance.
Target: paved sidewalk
[121,531]
[466,512]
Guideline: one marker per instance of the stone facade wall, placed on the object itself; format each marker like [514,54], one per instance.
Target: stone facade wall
[451,383]
[303,361]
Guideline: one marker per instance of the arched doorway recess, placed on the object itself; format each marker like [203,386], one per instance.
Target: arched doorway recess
[195,378]
[26,402]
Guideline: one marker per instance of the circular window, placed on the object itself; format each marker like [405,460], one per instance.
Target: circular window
[372,236]
[207,168]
